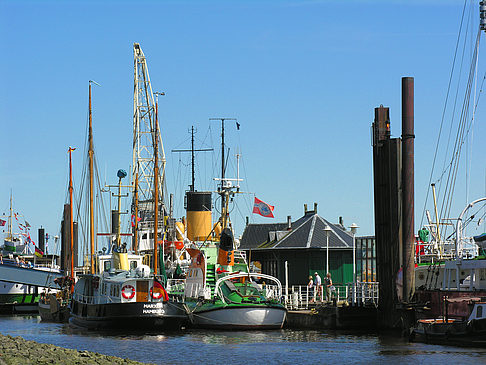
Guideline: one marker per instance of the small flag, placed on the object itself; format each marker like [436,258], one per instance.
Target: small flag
[2,222]
[47,237]
[237,126]
[27,224]
[15,214]
[262,208]
[133,220]
[38,252]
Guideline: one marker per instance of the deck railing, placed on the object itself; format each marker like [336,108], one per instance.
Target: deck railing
[359,294]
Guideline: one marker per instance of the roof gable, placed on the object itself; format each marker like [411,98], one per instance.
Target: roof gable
[307,232]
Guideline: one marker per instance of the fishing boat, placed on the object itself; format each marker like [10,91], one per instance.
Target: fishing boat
[121,291]
[465,331]
[21,292]
[220,290]
[124,294]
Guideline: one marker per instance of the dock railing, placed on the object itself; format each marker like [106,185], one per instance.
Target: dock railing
[359,294]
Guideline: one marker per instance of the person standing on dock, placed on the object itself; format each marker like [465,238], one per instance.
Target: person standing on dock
[318,285]
[310,290]
[328,282]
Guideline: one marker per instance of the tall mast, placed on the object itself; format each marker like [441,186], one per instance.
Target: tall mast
[91,184]
[156,190]
[71,220]
[223,192]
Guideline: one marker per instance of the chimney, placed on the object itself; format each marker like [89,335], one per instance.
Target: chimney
[305,209]
[341,222]
[315,208]
[289,223]
[247,221]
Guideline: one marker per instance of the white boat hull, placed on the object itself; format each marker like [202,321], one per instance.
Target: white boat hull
[241,318]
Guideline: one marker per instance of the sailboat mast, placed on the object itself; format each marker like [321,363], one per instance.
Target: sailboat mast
[156,185]
[91,184]
[71,221]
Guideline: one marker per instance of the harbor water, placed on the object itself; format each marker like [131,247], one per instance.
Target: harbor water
[243,347]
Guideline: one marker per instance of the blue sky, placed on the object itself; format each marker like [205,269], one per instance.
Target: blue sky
[302,77]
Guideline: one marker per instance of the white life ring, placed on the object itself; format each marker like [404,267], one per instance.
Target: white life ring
[128,292]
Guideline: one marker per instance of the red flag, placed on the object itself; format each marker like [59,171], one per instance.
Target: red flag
[262,208]
[2,222]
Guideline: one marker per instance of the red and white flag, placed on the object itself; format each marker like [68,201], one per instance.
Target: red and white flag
[262,208]
[2,222]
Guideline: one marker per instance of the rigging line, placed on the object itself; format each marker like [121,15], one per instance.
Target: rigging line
[457,148]
[443,111]
[453,113]
[459,140]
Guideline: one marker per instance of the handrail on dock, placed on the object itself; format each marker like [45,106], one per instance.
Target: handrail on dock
[359,294]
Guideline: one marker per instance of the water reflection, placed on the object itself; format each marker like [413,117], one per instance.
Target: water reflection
[241,347]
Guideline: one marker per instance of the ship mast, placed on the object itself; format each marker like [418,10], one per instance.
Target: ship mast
[223,191]
[71,220]
[156,187]
[91,184]
[193,159]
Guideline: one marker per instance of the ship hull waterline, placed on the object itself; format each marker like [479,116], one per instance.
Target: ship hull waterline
[139,315]
[241,317]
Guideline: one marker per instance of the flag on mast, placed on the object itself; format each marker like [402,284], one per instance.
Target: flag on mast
[262,208]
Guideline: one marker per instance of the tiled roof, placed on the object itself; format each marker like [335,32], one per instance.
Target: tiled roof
[257,234]
[307,232]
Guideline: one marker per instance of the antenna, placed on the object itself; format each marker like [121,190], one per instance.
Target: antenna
[192,150]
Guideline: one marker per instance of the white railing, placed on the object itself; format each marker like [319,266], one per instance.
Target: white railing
[278,286]
[304,297]
[363,294]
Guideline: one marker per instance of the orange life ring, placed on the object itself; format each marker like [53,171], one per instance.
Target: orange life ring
[127,288]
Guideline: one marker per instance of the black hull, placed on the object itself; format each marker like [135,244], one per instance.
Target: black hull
[25,308]
[131,316]
[465,340]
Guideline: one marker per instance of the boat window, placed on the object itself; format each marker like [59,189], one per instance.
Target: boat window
[133,264]
[107,265]
[144,236]
[479,312]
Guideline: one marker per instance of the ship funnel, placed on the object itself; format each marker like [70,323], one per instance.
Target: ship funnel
[198,207]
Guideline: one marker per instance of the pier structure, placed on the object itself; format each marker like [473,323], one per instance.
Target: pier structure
[393,172]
